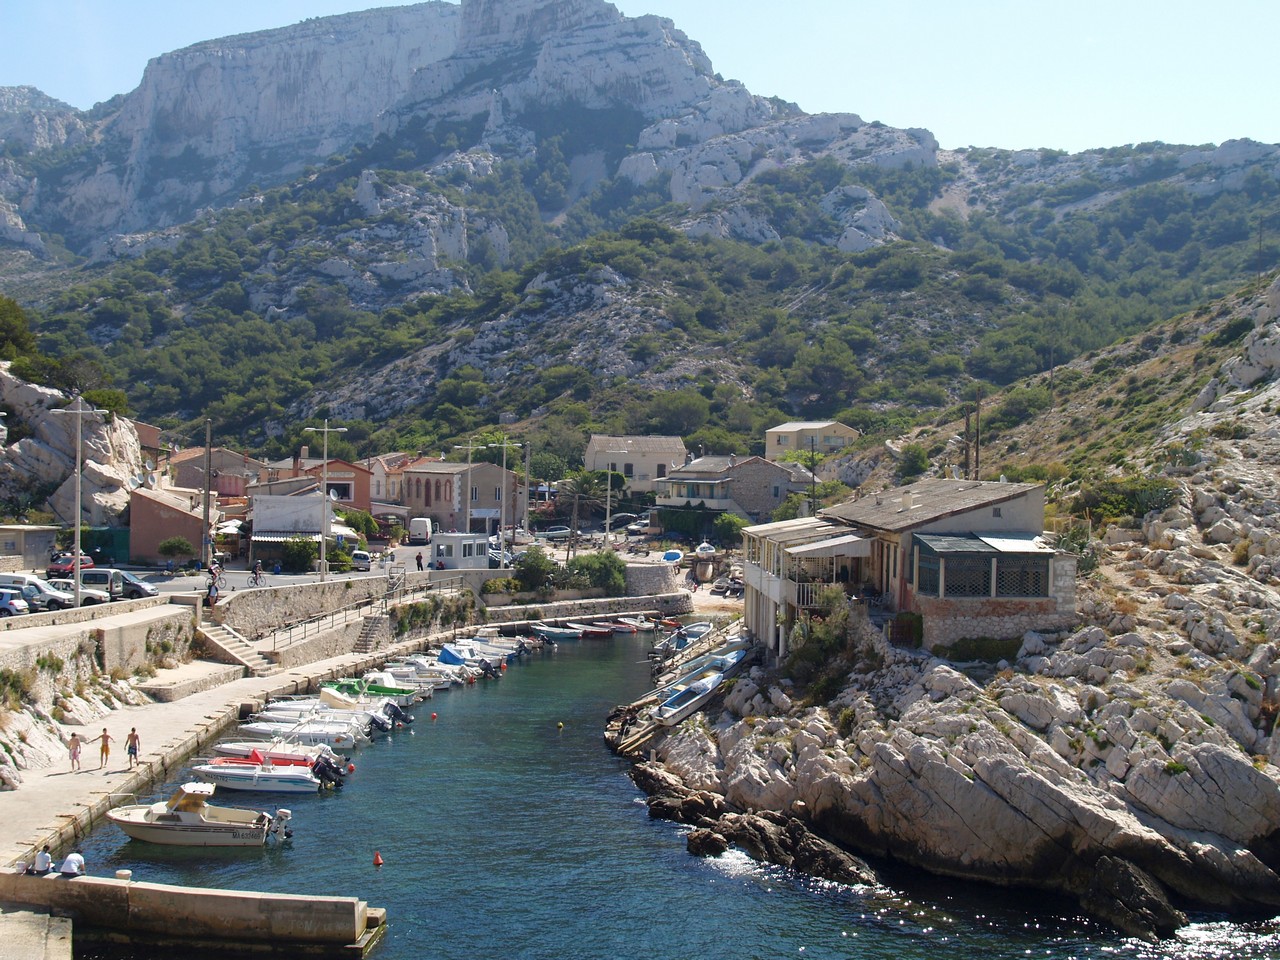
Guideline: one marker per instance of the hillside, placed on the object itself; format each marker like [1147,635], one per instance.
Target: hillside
[567,240]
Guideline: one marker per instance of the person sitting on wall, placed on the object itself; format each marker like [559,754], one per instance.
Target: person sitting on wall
[73,866]
[43,863]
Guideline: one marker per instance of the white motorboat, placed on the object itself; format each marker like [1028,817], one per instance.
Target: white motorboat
[187,819]
[307,732]
[640,623]
[263,776]
[680,638]
[704,551]
[278,751]
[421,668]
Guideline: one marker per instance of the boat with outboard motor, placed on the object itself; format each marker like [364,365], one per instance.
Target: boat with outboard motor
[680,638]
[187,819]
[590,631]
[258,774]
[548,631]
[279,751]
[308,731]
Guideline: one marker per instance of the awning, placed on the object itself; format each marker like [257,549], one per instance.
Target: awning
[280,536]
[1015,543]
[229,527]
[850,545]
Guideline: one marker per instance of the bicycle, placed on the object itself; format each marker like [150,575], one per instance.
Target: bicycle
[216,580]
[257,579]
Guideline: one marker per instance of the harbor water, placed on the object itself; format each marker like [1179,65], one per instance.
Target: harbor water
[508,830]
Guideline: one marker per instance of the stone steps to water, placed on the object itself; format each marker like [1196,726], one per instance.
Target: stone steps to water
[237,647]
[370,633]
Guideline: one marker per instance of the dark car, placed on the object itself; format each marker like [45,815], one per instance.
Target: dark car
[136,589]
[622,519]
[64,564]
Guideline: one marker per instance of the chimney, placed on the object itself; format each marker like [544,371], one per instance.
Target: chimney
[908,501]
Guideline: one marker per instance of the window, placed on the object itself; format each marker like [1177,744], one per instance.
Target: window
[444,550]
[783,440]
[968,576]
[497,494]
[1022,576]
[628,469]
[662,470]
[995,511]
[475,494]
[468,550]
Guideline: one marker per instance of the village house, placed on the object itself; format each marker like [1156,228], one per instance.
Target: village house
[751,487]
[644,461]
[817,436]
[349,481]
[231,472]
[967,556]
[155,515]
[454,495]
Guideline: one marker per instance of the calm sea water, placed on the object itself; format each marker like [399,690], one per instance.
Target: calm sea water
[505,835]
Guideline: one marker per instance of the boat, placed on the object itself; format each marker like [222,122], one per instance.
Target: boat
[619,626]
[278,751]
[362,687]
[307,732]
[704,551]
[591,631]
[549,632]
[726,658]
[720,585]
[464,654]
[673,556]
[640,623]
[686,695]
[680,638]
[260,775]
[187,819]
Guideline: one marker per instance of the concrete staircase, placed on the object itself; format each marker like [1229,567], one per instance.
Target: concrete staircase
[236,647]
[371,633]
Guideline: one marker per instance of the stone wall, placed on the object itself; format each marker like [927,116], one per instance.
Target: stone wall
[946,621]
[254,613]
[331,643]
[672,604]
[97,611]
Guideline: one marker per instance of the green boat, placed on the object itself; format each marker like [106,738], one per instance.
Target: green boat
[360,687]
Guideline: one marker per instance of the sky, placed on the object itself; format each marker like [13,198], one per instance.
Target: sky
[1064,74]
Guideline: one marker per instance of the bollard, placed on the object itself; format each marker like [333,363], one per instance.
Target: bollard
[125,875]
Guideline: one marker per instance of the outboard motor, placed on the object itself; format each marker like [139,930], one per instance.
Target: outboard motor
[381,721]
[489,670]
[280,824]
[327,772]
[393,711]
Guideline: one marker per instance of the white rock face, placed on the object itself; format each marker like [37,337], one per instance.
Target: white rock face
[110,454]
[307,91]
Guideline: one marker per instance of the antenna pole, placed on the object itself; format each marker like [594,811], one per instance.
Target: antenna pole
[206,541]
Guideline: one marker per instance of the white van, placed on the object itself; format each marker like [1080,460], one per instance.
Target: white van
[360,560]
[107,579]
[38,594]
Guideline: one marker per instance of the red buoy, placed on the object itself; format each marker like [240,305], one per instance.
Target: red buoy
[504,665]
[351,768]
[377,859]
[433,716]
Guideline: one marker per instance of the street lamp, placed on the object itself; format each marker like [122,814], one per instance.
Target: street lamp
[324,491]
[502,504]
[75,549]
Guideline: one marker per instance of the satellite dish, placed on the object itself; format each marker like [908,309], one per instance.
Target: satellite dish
[134,483]
[333,495]
[149,464]
[151,479]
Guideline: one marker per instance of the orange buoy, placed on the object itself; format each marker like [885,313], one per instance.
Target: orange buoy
[504,665]
[377,859]
[351,768]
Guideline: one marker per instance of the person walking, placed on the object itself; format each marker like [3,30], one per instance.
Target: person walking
[419,559]
[73,748]
[131,744]
[104,752]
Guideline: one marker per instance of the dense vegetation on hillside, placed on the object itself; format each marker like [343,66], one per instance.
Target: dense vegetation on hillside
[235,321]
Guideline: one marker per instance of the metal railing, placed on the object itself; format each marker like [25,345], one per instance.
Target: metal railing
[301,630]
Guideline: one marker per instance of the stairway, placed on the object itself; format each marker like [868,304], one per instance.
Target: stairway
[236,647]
[370,633]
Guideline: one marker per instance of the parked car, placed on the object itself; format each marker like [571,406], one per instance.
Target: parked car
[135,588]
[38,594]
[557,533]
[63,565]
[622,520]
[360,560]
[12,604]
[88,595]
[107,579]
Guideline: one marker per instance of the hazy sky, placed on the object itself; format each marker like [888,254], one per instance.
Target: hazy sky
[1070,74]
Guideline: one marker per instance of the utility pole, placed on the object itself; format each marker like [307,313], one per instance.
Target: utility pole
[324,493]
[471,446]
[206,541]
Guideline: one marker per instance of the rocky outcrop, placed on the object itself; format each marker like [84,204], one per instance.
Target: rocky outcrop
[45,460]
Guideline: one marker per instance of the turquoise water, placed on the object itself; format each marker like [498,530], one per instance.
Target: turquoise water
[504,835]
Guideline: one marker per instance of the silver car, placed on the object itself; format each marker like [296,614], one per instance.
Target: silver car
[12,604]
[88,595]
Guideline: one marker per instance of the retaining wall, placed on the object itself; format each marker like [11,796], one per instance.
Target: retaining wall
[97,611]
[337,642]
[256,612]
[154,908]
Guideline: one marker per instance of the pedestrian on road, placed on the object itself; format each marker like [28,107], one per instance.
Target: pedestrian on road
[73,747]
[419,559]
[131,744]
[104,752]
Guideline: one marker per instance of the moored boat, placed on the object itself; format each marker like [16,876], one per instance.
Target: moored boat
[187,819]
[277,751]
[686,695]
[549,632]
[590,630]
[259,775]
